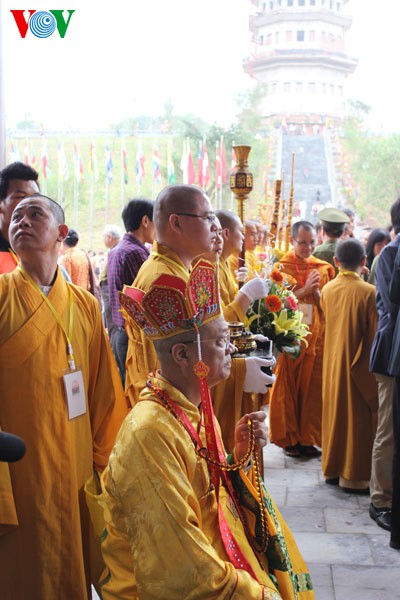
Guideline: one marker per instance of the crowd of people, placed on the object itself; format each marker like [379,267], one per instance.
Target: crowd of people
[143,430]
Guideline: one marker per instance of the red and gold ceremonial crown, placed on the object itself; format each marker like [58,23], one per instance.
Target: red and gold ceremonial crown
[171,305]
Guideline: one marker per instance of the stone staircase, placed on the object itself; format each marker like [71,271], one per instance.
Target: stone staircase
[311,173]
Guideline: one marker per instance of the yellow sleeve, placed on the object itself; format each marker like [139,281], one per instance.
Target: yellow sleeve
[118,580]
[233,312]
[172,556]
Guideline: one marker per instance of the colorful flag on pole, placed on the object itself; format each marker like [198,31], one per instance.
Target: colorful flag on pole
[184,163]
[200,165]
[205,165]
[156,165]
[190,169]
[78,166]
[93,168]
[223,160]
[63,169]
[14,156]
[233,160]
[140,158]
[218,167]
[33,158]
[26,155]
[124,162]
[109,164]
[170,164]
[44,160]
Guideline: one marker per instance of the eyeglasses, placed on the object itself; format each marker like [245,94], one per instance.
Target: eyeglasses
[210,217]
[224,338]
[306,244]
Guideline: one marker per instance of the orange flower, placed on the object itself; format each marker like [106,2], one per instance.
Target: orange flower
[276,276]
[273,303]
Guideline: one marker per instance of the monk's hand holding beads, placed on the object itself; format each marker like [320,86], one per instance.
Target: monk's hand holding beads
[242,432]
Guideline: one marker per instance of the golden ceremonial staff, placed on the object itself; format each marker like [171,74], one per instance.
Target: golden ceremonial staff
[241,184]
[290,207]
[275,214]
[282,203]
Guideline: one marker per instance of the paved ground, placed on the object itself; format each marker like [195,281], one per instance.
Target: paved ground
[348,555]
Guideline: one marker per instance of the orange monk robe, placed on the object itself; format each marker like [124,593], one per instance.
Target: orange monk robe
[8,262]
[349,392]
[44,520]
[296,397]
[141,357]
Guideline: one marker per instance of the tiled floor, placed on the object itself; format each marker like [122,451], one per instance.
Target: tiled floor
[347,553]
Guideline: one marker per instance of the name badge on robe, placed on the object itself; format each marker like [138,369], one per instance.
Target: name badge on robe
[307,310]
[75,393]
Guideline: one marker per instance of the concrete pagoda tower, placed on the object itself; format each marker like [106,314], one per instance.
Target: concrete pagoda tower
[299,54]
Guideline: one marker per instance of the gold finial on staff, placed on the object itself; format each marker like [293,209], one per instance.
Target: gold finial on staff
[290,207]
[275,214]
[241,182]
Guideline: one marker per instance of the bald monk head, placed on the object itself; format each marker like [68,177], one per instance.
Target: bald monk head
[232,233]
[184,221]
[36,232]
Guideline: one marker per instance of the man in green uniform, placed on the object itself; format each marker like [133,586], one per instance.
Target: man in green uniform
[333,221]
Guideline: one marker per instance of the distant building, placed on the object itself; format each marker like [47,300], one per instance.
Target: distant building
[299,54]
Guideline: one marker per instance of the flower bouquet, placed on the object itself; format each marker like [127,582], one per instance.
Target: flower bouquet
[277,316]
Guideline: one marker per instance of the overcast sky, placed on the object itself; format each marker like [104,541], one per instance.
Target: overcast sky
[127,57]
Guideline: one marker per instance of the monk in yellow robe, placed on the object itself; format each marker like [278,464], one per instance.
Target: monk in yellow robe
[172,530]
[349,392]
[45,549]
[252,263]
[296,398]
[185,228]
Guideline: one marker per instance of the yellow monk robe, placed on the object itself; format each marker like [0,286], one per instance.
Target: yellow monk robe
[163,525]
[251,262]
[296,396]
[227,284]
[350,395]
[141,356]
[44,520]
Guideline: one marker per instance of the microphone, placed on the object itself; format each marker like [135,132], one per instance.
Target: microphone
[12,447]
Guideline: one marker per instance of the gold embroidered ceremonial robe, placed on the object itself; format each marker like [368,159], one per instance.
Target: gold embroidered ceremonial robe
[141,357]
[296,396]
[162,519]
[44,520]
[349,391]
